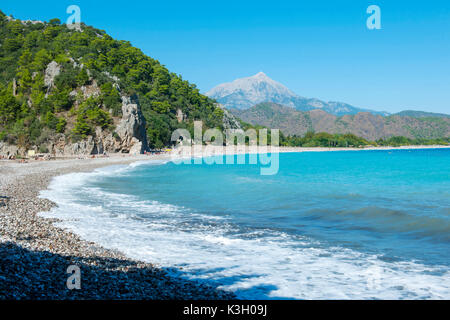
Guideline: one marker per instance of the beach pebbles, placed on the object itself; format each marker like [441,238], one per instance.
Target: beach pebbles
[35,255]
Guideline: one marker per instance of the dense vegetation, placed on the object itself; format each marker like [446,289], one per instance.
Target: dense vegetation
[403,141]
[323,139]
[33,113]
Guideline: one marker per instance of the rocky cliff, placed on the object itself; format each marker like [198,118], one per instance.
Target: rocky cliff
[129,137]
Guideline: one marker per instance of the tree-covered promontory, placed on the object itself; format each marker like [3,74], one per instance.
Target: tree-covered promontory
[31,109]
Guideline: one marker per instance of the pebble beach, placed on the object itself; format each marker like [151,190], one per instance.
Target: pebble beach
[35,254]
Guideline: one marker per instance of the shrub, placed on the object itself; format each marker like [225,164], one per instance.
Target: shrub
[51,120]
[43,149]
[61,125]
[99,117]
[82,128]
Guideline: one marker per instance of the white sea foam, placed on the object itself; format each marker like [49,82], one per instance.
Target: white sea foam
[256,264]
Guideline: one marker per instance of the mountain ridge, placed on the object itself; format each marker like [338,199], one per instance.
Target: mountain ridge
[363,124]
[421,114]
[244,93]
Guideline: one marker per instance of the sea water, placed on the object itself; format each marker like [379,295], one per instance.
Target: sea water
[329,225]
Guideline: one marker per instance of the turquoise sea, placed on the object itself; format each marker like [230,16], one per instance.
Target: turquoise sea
[329,225]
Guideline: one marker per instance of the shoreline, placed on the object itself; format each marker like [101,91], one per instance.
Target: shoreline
[42,251]
[192,152]
[36,253]
[205,151]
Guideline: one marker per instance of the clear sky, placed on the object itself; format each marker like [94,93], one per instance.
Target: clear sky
[319,48]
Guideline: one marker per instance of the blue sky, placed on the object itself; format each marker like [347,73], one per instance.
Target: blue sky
[318,49]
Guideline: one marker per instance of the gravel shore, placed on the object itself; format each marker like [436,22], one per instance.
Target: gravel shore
[35,255]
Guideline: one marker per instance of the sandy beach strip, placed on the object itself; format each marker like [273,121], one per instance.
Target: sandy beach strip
[35,254]
[211,150]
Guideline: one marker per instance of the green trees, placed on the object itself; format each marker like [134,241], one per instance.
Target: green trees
[89,116]
[99,117]
[86,57]
[158,130]
[55,123]
[68,78]
[82,129]
[395,141]
[55,22]
[350,140]
[50,120]
[41,59]
[9,107]
[111,98]
[25,59]
[11,45]
[323,139]
[61,125]
[91,113]
[403,141]
[82,78]
[61,100]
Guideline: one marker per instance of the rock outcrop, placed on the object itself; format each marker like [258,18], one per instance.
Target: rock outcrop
[8,151]
[51,72]
[130,136]
[180,116]
[131,129]
[229,120]
[89,146]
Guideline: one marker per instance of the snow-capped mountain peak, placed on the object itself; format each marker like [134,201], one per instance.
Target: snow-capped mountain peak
[244,93]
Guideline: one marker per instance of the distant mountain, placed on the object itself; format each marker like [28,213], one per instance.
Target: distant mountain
[421,114]
[363,124]
[246,92]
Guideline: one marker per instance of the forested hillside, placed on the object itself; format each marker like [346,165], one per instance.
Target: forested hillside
[366,125]
[59,81]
